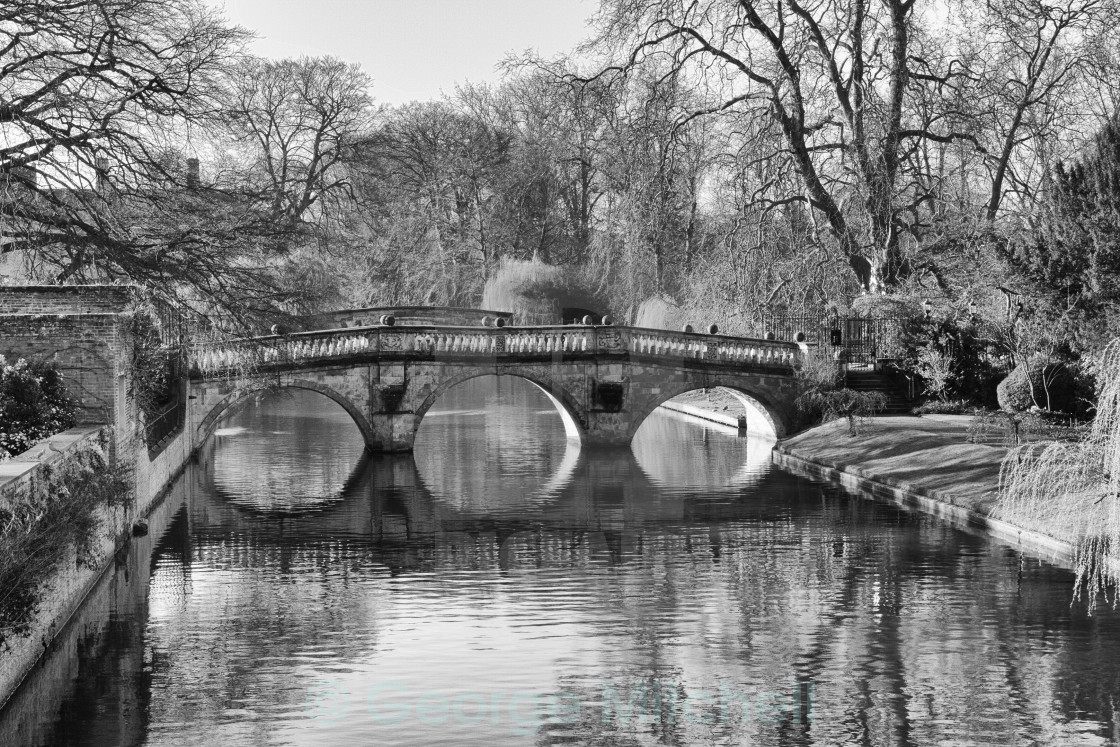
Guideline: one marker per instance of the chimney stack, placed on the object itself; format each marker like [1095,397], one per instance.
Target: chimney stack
[192,173]
[101,166]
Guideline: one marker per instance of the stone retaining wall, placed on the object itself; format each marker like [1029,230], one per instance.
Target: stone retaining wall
[24,476]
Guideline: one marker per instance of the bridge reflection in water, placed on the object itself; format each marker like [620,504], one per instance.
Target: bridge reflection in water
[299,574]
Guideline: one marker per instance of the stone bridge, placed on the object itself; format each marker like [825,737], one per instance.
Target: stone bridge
[603,380]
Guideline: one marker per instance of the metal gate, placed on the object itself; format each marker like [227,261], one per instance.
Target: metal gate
[858,340]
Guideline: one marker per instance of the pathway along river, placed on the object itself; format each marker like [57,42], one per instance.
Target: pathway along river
[501,587]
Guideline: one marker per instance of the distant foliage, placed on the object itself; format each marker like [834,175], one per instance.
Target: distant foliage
[153,362]
[33,405]
[536,292]
[1073,262]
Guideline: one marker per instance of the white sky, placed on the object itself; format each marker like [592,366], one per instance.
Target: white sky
[413,49]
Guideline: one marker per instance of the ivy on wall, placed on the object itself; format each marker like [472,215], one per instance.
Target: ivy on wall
[53,518]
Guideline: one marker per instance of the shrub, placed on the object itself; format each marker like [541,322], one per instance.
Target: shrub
[33,405]
[952,359]
[816,374]
[843,403]
[935,367]
[945,407]
[1041,382]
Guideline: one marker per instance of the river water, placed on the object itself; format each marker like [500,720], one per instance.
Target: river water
[501,587]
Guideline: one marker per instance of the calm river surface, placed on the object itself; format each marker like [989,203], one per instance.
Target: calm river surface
[501,587]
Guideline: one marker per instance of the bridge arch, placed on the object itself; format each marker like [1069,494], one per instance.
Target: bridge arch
[574,422]
[764,415]
[238,397]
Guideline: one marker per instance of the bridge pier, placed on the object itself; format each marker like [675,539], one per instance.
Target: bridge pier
[607,429]
[392,432]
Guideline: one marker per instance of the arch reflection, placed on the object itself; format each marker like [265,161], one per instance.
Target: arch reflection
[285,452]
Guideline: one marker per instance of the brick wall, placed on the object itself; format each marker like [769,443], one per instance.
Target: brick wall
[65,299]
[87,349]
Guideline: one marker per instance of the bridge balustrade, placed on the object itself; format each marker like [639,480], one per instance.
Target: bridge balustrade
[506,342]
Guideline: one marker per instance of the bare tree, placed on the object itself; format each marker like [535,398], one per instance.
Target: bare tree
[1034,65]
[97,99]
[833,78]
[297,122]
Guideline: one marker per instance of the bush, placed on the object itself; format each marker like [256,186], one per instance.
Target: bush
[816,375]
[33,405]
[843,403]
[945,407]
[935,367]
[952,359]
[1041,382]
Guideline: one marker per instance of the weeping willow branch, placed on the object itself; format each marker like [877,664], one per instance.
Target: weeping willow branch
[1071,490]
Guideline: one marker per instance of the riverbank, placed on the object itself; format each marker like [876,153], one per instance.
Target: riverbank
[926,463]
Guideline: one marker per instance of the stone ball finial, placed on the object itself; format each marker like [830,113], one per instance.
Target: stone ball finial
[800,337]
[713,329]
[587,319]
[771,336]
[275,329]
[686,328]
[608,320]
[487,321]
[499,322]
[388,320]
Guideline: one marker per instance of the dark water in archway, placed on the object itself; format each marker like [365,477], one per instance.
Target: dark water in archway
[503,588]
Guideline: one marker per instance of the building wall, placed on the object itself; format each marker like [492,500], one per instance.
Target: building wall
[87,348]
[65,299]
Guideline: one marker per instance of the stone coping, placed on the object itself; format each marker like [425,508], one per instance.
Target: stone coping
[48,450]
